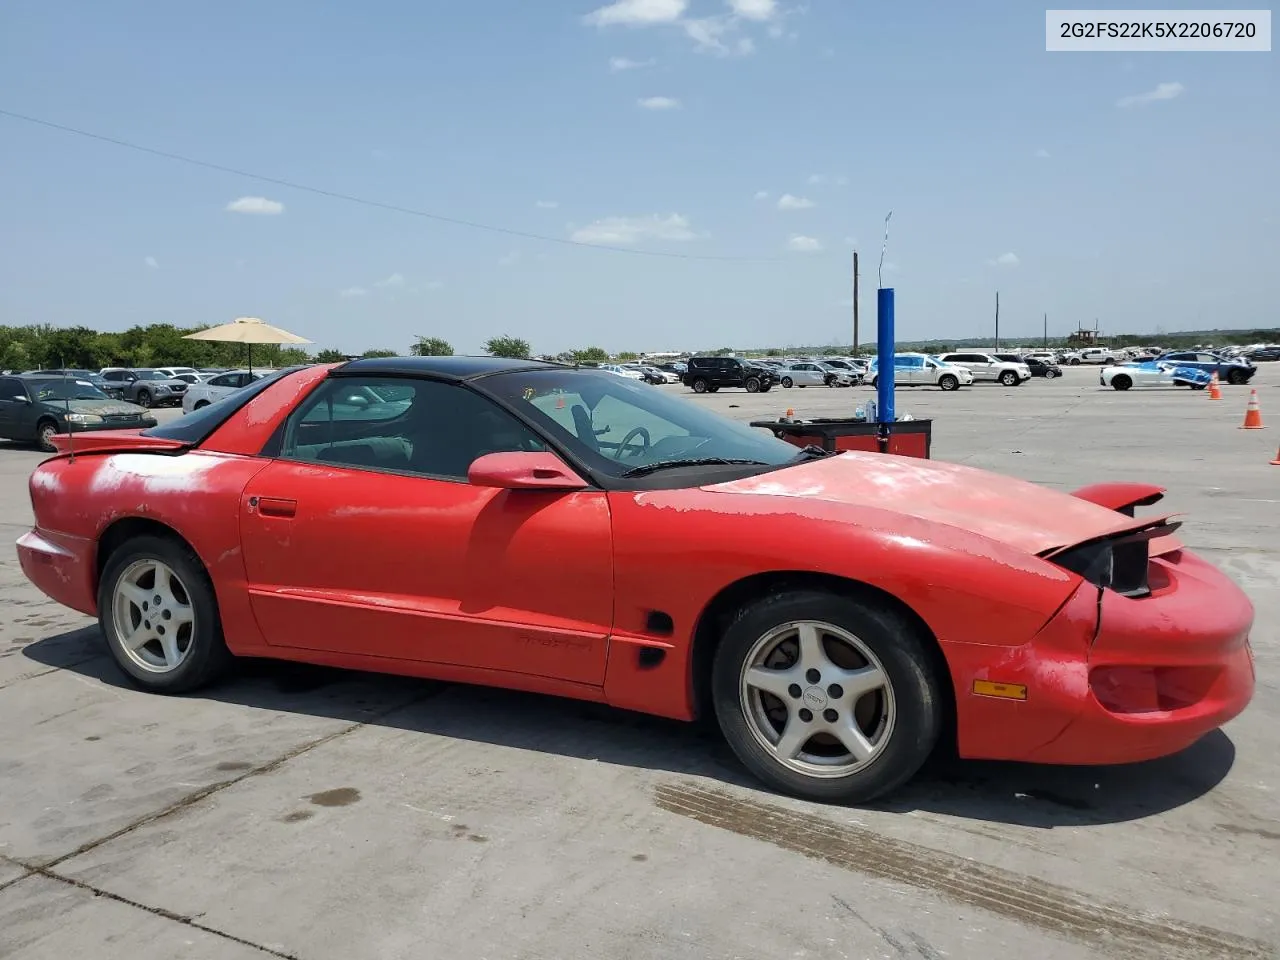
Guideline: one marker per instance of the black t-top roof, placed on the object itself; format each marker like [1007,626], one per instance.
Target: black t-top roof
[455,368]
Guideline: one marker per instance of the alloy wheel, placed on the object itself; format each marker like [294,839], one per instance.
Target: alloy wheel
[153,616]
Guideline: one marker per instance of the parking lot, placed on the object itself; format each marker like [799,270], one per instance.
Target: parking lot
[313,814]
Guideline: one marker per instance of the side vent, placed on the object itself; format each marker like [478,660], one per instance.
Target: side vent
[650,657]
[659,623]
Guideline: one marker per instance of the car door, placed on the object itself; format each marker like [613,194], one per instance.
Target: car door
[363,536]
[15,410]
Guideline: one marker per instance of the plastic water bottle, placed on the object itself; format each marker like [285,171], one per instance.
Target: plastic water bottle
[859,413]
[872,410]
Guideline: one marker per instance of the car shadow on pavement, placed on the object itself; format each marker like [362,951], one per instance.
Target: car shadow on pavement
[997,792]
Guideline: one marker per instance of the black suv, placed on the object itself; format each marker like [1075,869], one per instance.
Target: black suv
[709,374]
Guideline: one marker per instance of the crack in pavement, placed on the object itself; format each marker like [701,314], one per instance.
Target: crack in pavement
[156,911]
[271,765]
[45,673]
[47,870]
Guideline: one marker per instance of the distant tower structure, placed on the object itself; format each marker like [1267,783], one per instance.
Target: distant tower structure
[1085,338]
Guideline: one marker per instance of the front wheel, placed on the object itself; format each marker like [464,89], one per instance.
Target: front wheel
[157,609]
[752,385]
[788,382]
[826,697]
[1050,374]
[1009,378]
[1121,382]
[1237,377]
[144,398]
[949,382]
[200,405]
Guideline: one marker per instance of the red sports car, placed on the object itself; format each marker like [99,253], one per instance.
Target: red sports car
[575,533]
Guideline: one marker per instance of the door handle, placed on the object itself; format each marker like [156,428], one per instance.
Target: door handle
[274,506]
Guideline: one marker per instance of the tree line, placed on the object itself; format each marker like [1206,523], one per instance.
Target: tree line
[162,345]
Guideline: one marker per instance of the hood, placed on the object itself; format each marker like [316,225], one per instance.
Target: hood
[1014,512]
[102,408]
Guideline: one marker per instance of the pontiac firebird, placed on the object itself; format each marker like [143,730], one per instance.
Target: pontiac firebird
[573,533]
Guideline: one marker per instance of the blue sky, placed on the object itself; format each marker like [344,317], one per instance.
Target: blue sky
[1006,168]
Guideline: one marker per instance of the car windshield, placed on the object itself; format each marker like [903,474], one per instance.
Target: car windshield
[616,425]
[151,375]
[67,390]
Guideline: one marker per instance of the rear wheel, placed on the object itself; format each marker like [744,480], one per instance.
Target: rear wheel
[949,381]
[157,609]
[700,385]
[144,398]
[46,430]
[788,382]
[1121,382]
[752,385]
[199,404]
[1050,374]
[826,697]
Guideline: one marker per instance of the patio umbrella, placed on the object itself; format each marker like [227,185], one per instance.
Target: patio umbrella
[247,330]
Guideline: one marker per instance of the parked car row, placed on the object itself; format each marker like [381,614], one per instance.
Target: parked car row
[34,408]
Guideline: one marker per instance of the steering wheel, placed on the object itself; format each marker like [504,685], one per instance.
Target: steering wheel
[640,432]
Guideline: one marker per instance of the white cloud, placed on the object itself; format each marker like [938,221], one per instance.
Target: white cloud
[1004,260]
[804,244]
[659,103]
[151,262]
[395,280]
[1162,91]
[817,178]
[619,64]
[353,292]
[754,9]
[776,30]
[709,34]
[788,202]
[637,13]
[842,181]
[762,194]
[546,204]
[624,230]
[258,205]
[511,258]
[746,46]
[1042,153]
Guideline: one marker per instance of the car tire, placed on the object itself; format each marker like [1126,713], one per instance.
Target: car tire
[199,404]
[766,387]
[1237,377]
[949,381]
[1074,361]
[1121,382]
[1009,378]
[872,381]
[1050,374]
[752,385]
[170,659]
[46,430]
[788,382]
[144,398]
[895,725]
[700,385]
[713,388]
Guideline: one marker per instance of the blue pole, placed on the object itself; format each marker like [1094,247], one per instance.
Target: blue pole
[884,354]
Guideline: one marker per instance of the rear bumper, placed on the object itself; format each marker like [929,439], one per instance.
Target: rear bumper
[64,568]
[1162,672]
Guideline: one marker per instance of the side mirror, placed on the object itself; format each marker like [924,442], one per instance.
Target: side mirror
[523,471]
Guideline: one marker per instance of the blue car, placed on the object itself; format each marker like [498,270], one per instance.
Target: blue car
[1236,371]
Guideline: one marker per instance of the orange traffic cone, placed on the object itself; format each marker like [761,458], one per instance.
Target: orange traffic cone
[1215,389]
[1252,413]
[1276,461]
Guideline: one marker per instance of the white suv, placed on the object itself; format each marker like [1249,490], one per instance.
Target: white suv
[984,366]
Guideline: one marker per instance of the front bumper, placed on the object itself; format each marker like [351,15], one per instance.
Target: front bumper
[1161,672]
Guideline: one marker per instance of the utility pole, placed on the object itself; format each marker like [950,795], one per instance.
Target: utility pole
[855,303]
[997,321]
[1046,331]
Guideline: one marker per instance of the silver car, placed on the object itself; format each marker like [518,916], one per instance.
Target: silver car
[215,388]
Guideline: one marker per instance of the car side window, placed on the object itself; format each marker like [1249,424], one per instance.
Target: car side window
[422,427]
[12,389]
[225,380]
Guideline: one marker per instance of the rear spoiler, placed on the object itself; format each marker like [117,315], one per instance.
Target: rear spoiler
[114,441]
[1119,559]
[1121,497]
